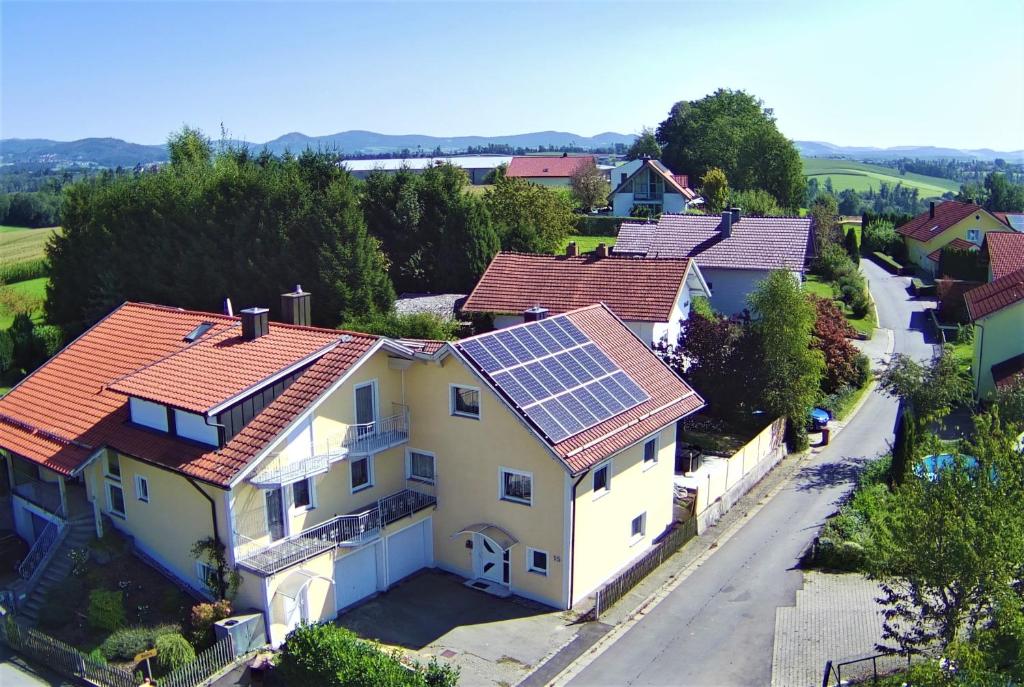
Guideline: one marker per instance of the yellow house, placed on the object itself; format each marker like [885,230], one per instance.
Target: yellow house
[536,460]
[997,310]
[942,224]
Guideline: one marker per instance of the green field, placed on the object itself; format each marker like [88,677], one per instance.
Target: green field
[585,244]
[18,244]
[22,296]
[861,177]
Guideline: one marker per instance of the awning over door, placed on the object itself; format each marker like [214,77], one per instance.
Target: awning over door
[296,580]
[496,534]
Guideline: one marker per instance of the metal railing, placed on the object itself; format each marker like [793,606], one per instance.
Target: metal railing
[45,495]
[863,668]
[42,546]
[379,435]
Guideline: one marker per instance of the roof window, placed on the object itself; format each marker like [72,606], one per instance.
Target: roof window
[193,335]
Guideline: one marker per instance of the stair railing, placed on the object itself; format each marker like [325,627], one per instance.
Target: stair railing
[47,540]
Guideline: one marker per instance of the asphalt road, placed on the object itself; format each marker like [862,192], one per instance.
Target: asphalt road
[718,626]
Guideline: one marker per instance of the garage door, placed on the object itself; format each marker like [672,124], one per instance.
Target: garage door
[355,576]
[410,550]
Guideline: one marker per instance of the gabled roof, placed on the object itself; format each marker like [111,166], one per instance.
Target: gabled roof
[65,411]
[1004,374]
[670,398]
[674,182]
[635,289]
[957,243]
[547,165]
[755,243]
[996,295]
[1005,251]
[925,227]
[1015,220]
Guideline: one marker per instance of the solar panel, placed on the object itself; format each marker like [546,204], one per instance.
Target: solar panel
[560,379]
[1016,222]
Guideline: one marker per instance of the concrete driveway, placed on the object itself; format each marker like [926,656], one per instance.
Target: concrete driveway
[15,672]
[494,641]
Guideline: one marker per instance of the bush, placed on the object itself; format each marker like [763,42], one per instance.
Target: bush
[202,618]
[106,610]
[600,225]
[887,263]
[173,651]
[853,290]
[846,537]
[880,236]
[852,247]
[833,262]
[863,364]
[123,644]
[408,326]
[96,657]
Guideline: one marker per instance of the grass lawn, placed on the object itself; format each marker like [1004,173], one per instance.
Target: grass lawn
[861,177]
[585,244]
[856,229]
[963,353]
[818,287]
[22,296]
[18,244]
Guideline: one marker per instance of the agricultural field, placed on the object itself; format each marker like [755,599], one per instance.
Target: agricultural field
[18,244]
[861,177]
[23,272]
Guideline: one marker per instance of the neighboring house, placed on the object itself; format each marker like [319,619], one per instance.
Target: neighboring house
[940,225]
[997,310]
[447,306]
[935,256]
[333,464]
[1004,252]
[650,184]
[652,297]
[1014,220]
[547,170]
[733,252]
[477,167]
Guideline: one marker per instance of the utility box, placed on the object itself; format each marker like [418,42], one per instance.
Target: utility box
[247,632]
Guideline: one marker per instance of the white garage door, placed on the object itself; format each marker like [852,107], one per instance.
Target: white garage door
[355,576]
[410,550]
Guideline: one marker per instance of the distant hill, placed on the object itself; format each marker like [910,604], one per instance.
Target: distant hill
[861,177]
[105,152]
[821,149]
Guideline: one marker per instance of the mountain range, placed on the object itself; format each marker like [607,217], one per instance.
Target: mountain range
[114,152]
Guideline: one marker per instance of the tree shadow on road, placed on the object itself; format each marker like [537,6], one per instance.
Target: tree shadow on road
[831,474]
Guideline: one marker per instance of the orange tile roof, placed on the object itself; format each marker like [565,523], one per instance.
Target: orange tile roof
[925,227]
[546,165]
[1005,252]
[992,297]
[636,289]
[670,397]
[63,412]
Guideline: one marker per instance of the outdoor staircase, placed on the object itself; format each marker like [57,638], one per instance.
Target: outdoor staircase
[81,531]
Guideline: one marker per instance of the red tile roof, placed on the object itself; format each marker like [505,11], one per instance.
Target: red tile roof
[992,297]
[546,166]
[670,397]
[1005,251]
[66,410]
[958,243]
[925,227]
[1004,374]
[635,289]
[756,243]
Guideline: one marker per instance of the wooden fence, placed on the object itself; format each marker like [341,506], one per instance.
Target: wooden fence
[632,576]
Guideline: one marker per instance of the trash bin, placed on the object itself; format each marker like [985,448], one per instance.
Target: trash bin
[824,436]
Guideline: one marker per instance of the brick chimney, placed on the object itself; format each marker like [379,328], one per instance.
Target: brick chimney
[601,251]
[254,323]
[572,250]
[295,307]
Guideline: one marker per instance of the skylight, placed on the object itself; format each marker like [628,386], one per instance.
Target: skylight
[198,332]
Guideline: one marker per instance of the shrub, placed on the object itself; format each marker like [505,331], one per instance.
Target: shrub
[887,263]
[405,326]
[106,610]
[173,651]
[853,291]
[881,236]
[437,674]
[599,225]
[863,364]
[202,618]
[833,262]
[852,247]
[96,657]
[123,644]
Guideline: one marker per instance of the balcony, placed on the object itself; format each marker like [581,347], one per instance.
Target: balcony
[352,530]
[45,495]
[380,435]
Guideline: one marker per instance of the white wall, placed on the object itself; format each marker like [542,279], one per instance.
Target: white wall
[148,414]
[669,331]
[193,426]
[622,203]
[730,288]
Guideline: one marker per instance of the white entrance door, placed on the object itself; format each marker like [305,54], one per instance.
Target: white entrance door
[410,550]
[296,610]
[355,576]
[490,561]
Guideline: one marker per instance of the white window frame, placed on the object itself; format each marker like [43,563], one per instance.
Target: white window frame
[648,464]
[633,537]
[974,235]
[312,496]
[530,566]
[372,383]
[106,467]
[451,401]
[141,488]
[408,465]
[204,573]
[608,482]
[502,496]
[110,486]
[369,474]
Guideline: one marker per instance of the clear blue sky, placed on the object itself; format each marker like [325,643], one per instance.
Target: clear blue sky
[866,72]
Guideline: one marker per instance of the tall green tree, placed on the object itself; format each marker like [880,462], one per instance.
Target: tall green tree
[1003,195]
[189,146]
[529,217]
[714,187]
[755,203]
[793,368]
[732,130]
[931,390]
[824,214]
[645,145]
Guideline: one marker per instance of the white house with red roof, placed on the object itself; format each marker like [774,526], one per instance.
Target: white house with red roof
[547,170]
[649,184]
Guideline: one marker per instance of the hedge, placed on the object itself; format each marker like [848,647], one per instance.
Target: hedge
[600,225]
[888,263]
[922,289]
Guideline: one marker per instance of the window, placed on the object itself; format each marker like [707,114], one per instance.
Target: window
[974,235]
[638,527]
[537,561]
[602,479]
[465,401]
[420,466]
[362,473]
[302,494]
[115,499]
[113,466]
[516,487]
[142,488]
[148,414]
[206,574]
[651,452]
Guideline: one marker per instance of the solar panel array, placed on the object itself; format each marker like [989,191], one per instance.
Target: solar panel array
[1016,222]
[560,379]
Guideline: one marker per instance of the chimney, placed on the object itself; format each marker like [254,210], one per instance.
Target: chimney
[565,154]
[295,307]
[602,250]
[572,250]
[535,313]
[726,226]
[254,323]
[735,215]
[931,210]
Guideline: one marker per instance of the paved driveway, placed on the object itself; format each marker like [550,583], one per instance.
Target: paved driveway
[14,672]
[494,641]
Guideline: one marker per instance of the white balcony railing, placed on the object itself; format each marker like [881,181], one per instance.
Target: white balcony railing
[371,437]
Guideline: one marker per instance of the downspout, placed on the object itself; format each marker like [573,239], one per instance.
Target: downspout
[572,540]
[216,529]
[981,355]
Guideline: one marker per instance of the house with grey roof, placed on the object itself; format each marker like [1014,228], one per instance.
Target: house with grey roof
[733,252]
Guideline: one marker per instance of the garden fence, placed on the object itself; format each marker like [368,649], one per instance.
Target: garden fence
[631,577]
[207,664]
[862,669]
